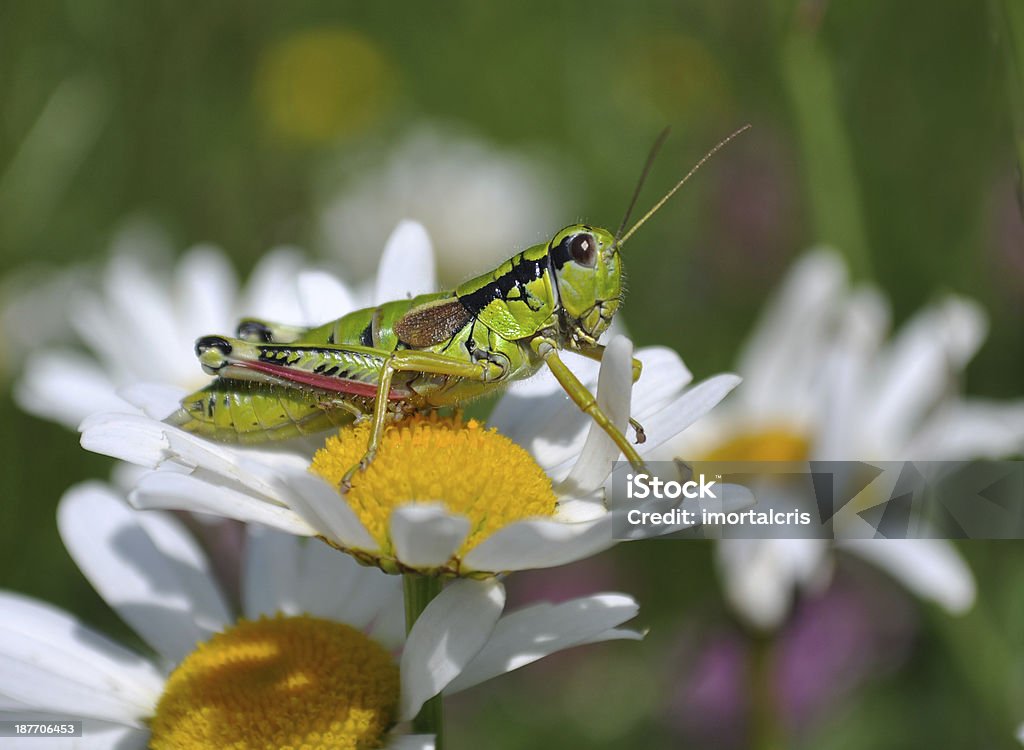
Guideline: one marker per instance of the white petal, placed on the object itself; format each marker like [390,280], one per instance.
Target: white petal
[170,490]
[219,462]
[930,568]
[614,386]
[270,576]
[149,570]
[271,292]
[323,297]
[782,355]
[333,585]
[65,387]
[923,363]
[541,417]
[663,377]
[426,535]
[838,409]
[106,321]
[128,437]
[447,635]
[576,509]
[388,627]
[49,660]
[532,633]
[965,326]
[292,575]
[156,400]
[761,576]
[205,291]
[9,705]
[694,403]
[407,265]
[614,634]
[691,405]
[410,742]
[324,509]
[971,428]
[540,543]
[370,595]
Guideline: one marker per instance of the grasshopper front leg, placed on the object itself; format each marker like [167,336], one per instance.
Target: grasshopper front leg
[585,399]
[427,363]
[596,353]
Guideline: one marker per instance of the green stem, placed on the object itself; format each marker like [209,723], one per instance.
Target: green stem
[419,592]
[831,183]
[985,659]
[765,727]
[1008,24]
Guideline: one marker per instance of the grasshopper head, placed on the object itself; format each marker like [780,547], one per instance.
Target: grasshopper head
[588,274]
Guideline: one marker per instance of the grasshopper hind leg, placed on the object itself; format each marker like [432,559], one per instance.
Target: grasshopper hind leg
[245,413]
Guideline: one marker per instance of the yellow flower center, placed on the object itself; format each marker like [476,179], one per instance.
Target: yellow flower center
[778,444]
[471,470]
[298,682]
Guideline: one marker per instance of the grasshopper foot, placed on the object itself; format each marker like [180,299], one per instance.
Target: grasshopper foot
[641,436]
[364,463]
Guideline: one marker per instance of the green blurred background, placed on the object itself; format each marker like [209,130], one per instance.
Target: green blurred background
[889,130]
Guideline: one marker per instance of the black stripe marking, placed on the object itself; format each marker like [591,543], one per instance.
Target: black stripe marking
[560,254]
[366,337]
[523,272]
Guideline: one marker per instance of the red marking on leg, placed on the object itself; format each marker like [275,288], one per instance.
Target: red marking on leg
[322,382]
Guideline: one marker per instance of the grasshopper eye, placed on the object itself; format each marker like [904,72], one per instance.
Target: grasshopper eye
[583,248]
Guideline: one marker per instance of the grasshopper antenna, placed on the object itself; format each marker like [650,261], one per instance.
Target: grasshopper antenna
[678,185]
[662,136]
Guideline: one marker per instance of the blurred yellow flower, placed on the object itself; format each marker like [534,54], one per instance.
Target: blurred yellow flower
[322,84]
[670,77]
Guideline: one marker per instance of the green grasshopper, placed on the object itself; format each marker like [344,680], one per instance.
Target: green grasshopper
[275,382]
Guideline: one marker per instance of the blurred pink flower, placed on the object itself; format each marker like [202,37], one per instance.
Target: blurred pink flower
[834,644]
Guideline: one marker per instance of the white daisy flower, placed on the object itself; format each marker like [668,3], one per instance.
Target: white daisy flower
[822,382]
[421,505]
[442,495]
[317,656]
[474,199]
[142,324]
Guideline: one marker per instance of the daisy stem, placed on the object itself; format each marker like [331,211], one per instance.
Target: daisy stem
[420,590]
[765,727]
[828,162]
[1008,27]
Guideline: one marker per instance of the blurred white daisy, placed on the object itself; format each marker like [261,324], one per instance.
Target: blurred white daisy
[416,505]
[33,312]
[142,322]
[479,203]
[821,381]
[317,656]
